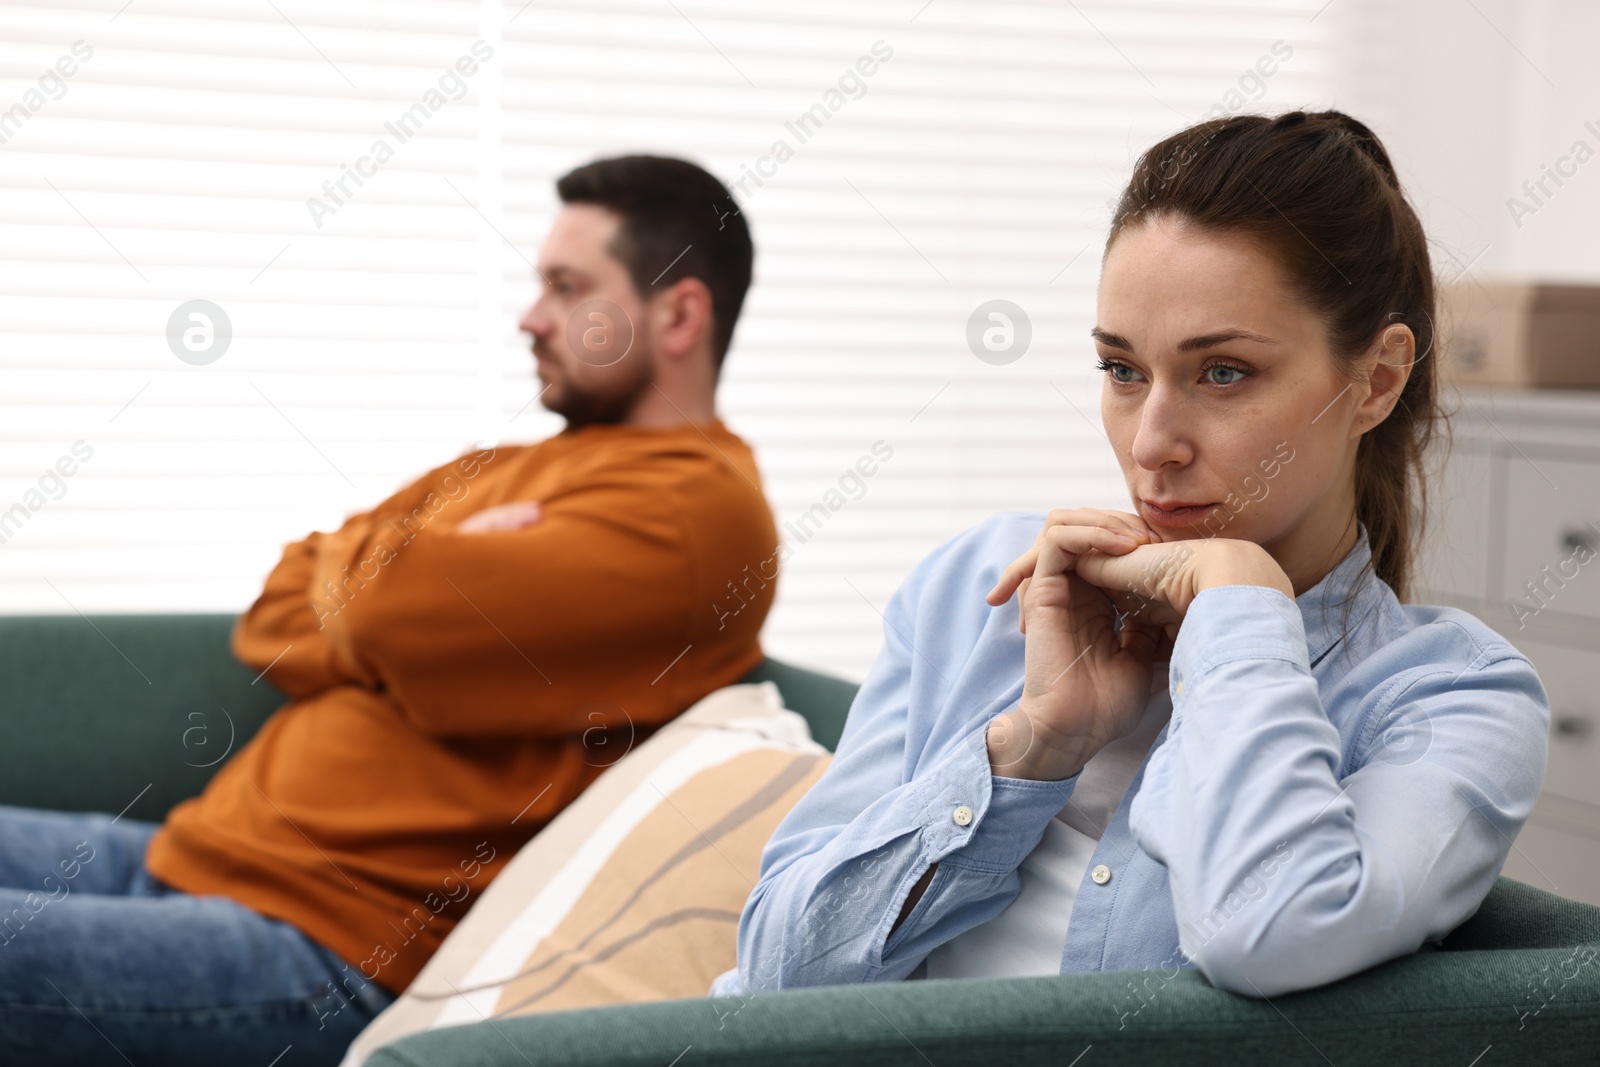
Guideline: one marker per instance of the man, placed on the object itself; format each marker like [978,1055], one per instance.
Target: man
[463,660]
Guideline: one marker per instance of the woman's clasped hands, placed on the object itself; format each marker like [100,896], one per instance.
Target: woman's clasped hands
[1087,680]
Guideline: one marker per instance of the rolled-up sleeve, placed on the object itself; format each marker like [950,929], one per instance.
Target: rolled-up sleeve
[839,867]
[1288,872]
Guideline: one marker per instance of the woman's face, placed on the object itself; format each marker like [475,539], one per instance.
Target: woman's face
[1221,393]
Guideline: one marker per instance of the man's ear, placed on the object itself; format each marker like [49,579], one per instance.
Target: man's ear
[681,317]
[1391,360]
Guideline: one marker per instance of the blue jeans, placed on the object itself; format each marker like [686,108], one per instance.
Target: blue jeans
[101,963]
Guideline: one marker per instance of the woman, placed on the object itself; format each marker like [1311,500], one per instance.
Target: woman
[1211,734]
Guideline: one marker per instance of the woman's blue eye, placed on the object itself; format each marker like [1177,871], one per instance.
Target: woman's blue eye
[1113,367]
[1226,370]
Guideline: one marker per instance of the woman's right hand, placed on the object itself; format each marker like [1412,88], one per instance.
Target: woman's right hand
[1085,684]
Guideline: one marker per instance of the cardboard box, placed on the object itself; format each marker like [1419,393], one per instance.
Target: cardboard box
[1523,334]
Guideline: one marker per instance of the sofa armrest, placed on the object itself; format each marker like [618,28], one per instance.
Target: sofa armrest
[1539,1005]
[94,709]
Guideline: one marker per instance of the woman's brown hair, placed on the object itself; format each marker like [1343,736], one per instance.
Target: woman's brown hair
[1317,190]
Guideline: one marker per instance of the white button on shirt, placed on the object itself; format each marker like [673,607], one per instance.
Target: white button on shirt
[962,815]
[1030,936]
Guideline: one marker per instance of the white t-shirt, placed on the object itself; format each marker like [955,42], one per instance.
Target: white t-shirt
[1031,934]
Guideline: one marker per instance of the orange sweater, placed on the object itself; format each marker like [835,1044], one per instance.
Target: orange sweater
[453,692]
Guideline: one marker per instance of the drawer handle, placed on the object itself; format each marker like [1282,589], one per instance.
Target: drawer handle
[1574,726]
[1577,538]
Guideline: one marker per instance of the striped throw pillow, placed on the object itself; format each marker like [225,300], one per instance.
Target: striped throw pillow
[634,892]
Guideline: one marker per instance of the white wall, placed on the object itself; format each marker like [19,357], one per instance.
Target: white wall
[1473,100]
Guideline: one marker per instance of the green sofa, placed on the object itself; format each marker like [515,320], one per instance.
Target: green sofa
[135,712]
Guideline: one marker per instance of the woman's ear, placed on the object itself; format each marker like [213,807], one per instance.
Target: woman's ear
[1393,356]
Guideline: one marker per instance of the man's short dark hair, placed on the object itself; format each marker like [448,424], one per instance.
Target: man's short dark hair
[678,221]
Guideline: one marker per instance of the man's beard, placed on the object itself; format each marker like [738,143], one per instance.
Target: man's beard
[584,407]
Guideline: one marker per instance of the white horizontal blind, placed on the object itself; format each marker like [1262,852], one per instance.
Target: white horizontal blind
[975,162]
[174,165]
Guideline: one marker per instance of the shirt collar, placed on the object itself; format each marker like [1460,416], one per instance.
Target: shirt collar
[1323,606]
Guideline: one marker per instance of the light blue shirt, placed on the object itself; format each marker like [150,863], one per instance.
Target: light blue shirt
[1318,802]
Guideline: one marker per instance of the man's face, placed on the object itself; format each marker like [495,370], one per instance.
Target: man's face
[594,360]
